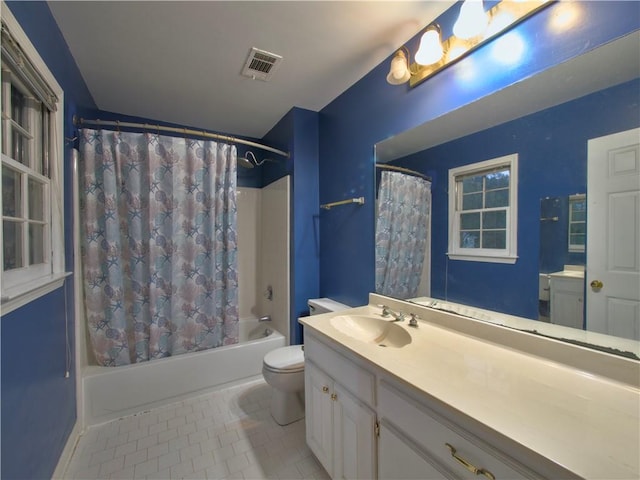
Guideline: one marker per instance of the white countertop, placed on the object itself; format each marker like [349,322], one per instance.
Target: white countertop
[567,274]
[586,337]
[587,423]
[570,271]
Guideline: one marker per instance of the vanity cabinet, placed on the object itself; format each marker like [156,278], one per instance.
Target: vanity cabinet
[340,427]
[363,425]
[399,457]
[417,442]
[464,400]
[567,301]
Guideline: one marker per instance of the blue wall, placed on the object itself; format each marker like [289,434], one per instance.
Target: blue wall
[373,110]
[552,162]
[300,128]
[38,403]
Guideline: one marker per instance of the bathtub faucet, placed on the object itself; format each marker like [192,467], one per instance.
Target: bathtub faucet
[266,318]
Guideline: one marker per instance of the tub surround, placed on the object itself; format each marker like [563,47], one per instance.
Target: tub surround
[552,406]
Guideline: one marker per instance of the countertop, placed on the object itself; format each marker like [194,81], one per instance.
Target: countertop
[570,271]
[587,423]
[567,274]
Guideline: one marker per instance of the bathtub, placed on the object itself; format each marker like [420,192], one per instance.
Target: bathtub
[113,392]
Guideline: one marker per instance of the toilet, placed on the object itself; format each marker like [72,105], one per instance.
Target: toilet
[283,370]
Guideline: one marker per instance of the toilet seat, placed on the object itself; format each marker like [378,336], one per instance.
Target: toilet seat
[285,359]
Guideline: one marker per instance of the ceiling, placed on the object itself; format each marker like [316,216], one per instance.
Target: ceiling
[181,62]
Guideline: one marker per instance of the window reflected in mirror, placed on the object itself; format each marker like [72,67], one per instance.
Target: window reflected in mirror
[577,223]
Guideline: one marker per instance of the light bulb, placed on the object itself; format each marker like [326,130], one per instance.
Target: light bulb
[399,71]
[430,50]
[472,20]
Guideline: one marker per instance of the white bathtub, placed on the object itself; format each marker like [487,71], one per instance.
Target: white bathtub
[113,392]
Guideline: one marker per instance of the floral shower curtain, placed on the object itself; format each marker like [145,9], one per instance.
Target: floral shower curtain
[158,220]
[402,226]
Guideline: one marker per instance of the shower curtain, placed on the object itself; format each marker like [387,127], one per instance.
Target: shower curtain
[402,227]
[159,246]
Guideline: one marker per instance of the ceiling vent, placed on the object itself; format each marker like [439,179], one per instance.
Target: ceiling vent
[260,64]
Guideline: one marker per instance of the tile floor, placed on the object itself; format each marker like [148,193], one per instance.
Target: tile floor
[226,434]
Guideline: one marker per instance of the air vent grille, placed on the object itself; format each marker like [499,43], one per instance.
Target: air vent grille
[260,64]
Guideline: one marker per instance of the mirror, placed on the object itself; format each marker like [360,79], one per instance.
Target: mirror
[547,120]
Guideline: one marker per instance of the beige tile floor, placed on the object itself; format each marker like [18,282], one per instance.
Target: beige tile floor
[226,434]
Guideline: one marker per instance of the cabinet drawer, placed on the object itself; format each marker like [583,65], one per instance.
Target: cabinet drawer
[441,439]
[358,381]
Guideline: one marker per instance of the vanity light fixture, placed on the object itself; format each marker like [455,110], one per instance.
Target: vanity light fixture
[429,52]
[473,28]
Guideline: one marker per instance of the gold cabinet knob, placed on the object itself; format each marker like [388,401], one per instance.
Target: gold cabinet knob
[334,397]
[597,284]
[325,389]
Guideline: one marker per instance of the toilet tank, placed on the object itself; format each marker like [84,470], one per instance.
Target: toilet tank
[325,305]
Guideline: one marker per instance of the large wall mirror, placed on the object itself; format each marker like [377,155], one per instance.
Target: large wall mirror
[547,122]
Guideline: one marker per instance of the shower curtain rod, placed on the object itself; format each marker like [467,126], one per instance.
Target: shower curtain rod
[403,170]
[185,131]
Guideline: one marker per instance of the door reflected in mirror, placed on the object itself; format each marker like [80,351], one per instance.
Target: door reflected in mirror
[562,260]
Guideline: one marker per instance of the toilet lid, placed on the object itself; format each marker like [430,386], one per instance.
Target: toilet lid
[285,358]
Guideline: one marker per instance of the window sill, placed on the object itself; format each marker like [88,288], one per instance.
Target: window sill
[484,258]
[19,295]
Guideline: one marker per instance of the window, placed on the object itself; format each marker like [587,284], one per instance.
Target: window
[32,253]
[483,211]
[577,222]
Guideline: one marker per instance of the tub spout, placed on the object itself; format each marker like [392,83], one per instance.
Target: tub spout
[266,318]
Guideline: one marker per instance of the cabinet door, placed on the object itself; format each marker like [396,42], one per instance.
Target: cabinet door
[354,437]
[319,415]
[399,459]
[567,304]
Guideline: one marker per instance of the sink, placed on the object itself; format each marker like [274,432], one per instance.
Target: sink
[371,329]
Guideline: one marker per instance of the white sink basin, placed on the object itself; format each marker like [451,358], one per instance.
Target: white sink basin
[371,329]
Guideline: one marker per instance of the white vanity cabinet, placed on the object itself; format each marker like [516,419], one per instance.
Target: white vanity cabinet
[340,427]
[400,458]
[464,400]
[567,300]
[417,442]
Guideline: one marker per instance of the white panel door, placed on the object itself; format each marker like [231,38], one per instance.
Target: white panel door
[613,235]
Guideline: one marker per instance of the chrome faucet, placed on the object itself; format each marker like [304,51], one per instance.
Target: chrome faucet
[397,317]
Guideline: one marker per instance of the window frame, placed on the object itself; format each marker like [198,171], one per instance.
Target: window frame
[576,247]
[506,255]
[21,286]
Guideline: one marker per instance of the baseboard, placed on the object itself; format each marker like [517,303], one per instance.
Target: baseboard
[67,452]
